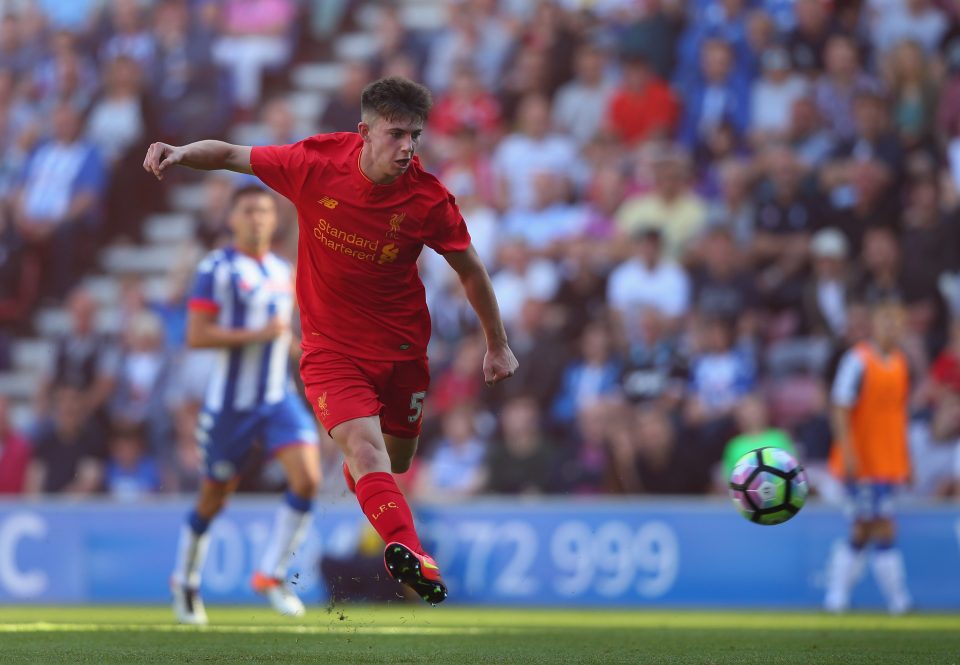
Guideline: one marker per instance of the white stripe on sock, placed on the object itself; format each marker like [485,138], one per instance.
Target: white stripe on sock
[891,577]
[191,555]
[289,530]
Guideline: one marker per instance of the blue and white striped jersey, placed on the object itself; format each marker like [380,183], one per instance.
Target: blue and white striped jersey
[246,293]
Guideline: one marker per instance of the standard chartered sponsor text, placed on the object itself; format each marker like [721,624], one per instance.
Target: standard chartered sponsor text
[348,243]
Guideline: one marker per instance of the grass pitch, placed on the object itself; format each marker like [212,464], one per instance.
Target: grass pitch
[462,636]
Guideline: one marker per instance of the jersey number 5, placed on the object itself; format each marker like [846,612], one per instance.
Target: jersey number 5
[416,405]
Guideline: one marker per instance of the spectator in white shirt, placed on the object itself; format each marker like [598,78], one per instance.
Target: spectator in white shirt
[521,278]
[533,149]
[648,281]
[580,105]
[772,96]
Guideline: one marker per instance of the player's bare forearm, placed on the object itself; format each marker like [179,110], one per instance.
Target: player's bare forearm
[499,363]
[205,333]
[207,155]
[479,291]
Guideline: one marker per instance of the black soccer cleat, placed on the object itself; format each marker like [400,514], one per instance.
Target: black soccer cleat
[418,571]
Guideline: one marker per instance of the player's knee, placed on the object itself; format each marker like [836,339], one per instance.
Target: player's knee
[365,457]
[212,499]
[860,534]
[210,506]
[884,532]
[305,485]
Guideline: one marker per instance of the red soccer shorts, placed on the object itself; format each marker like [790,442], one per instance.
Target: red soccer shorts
[341,388]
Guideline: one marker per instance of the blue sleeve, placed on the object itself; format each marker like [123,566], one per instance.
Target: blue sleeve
[203,295]
[203,286]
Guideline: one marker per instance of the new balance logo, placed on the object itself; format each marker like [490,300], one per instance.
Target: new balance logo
[328,202]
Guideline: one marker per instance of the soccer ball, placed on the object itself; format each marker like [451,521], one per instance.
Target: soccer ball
[768,486]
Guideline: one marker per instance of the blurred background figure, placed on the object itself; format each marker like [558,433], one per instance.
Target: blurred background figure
[14,454]
[68,454]
[256,37]
[457,466]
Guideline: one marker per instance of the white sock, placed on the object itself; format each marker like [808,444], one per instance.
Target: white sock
[289,530]
[191,555]
[843,570]
[891,577]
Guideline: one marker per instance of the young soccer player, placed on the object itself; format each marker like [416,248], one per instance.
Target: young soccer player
[366,208]
[241,304]
[870,416]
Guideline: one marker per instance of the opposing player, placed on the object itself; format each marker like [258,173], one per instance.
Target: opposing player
[366,208]
[241,304]
[870,417]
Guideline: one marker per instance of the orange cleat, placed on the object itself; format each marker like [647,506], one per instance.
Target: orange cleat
[279,594]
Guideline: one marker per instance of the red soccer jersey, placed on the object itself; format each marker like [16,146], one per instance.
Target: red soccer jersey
[357,282]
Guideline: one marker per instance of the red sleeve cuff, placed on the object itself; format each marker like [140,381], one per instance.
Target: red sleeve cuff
[203,305]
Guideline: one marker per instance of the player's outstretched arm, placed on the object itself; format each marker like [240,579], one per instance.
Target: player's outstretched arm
[499,363]
[205,155]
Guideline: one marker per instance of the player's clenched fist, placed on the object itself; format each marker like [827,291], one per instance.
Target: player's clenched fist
[499,363]
[161,156]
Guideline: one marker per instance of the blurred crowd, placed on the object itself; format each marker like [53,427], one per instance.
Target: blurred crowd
[684,207]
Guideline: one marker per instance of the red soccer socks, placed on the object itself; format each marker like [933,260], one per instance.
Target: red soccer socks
[383,504]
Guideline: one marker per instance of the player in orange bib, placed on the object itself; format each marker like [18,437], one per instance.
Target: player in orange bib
[870,398]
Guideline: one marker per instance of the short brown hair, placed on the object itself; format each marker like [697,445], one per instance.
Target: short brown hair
[248,190]
[395,98]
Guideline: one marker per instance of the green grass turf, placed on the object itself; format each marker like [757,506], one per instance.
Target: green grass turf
[460,636]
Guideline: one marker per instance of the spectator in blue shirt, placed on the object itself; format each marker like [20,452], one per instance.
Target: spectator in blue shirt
[131,473]
[721,98]
[57,203]
[594,376]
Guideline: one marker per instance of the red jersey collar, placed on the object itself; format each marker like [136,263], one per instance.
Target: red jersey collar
[367,179]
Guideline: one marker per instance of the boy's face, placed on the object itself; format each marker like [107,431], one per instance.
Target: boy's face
[886,322]
[253,219]
[392,144]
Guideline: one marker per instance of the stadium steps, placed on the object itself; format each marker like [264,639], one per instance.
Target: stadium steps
[356,46]
[367,16]
[318,76]
[105,289]
[21,414]
[170,228]
[140,260]
[187,198]
[51,322]
[32,355]
[424,15]
[307,107]
[19,386]
[108,289]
